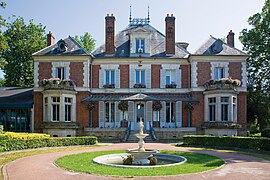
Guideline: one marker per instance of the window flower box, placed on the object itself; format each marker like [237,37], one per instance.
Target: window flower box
[111,86]
[170,85]
[139,85]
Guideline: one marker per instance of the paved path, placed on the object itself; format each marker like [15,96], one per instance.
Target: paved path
[41,167]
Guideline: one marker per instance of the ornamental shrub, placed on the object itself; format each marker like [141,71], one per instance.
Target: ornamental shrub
[266,132]
[227,141]
[1,129]
[18,141]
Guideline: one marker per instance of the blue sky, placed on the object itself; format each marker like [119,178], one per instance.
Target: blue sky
[196,20]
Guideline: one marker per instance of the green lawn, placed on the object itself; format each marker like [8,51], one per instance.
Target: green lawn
[83,163]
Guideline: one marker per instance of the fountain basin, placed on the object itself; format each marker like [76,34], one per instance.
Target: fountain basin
[116,160]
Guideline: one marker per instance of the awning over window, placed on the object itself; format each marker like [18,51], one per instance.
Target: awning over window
[141,97]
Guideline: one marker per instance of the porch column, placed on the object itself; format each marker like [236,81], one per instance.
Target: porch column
[101,114]
[148,116]
[131,114]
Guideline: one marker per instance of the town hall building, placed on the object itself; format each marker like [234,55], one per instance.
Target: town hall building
[140,74]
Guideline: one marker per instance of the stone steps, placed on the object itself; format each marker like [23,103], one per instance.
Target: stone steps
[133,138]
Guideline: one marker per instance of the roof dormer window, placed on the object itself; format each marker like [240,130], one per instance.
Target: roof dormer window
[140,45]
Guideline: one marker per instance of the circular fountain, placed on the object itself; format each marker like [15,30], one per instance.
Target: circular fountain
[140,156]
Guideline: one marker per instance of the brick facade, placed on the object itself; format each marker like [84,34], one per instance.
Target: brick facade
[242,109]
[203,72]
[38,111]
[82,111]
[45,70]
[124,76]
[95,116]
[185,76]
[95,75]
[197,115]
[235,70]
[76,73]
[155,75]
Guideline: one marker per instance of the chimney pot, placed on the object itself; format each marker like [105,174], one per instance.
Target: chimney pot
[109,34]
[50,38]
[170,34]
[230,38]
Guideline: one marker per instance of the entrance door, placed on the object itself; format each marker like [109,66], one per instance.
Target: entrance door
[140,114]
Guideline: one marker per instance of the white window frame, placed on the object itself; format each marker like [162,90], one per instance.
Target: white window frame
[110,76]
[140,45]
[140,76]
[219,72]
[56,104]
[172,114]
[67,110]
[109,122]
[171,74]
[223,104]
[214,104]
[62,73]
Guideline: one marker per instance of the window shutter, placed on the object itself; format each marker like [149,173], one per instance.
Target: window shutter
[101,78]
[132,77]
[162,78]
[149,113]
[178,78]
[117,78]
[101,114]
[178,114]
[117,115]
[163,114]
[131,113]
[148,78]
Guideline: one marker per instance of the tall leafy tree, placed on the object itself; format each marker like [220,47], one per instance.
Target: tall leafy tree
[3,43]
[86,41]
[23,40]
[256,42]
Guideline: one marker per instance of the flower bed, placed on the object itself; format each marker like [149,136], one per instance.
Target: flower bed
[10,141]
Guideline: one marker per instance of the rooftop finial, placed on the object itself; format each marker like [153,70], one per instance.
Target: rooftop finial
[130,14]
[148,18]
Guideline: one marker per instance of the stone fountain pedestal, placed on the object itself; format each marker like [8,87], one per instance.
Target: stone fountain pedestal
[141,154]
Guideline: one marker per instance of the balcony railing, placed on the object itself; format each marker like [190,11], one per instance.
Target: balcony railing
[221,125]
[56,83]
[223,84]
[60,125]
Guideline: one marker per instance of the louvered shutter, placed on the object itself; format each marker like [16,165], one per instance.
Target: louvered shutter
[117,78]
[132,77]
[162,78]
[178,114]
[101,114]
[178,78]
[148,78]
[101,78]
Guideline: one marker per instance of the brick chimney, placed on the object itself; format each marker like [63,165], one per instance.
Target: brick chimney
[230,38]
[170,34]
[50,39]
[109,35]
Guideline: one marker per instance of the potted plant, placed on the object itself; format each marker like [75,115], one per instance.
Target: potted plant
[139,85]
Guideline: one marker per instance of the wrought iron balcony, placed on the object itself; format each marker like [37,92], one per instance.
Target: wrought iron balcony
[221,125]
[60,125]
[56,83]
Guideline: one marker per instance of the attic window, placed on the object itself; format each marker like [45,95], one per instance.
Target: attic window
[62,47]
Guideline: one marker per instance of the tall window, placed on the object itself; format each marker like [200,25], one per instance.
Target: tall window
[212,109]
[170,111]
[68,105]
[140,77]
[170,77]
[110,112]
[224,108]
[140,45]
[46,108]
[55,108]
[219,72]
[60,72]
[110,76]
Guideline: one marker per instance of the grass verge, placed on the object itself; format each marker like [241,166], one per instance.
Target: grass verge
[83,163]
[11,156]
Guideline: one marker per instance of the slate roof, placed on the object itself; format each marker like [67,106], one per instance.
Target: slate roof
[73,48]
[15,97]
[214,46]
[157,50]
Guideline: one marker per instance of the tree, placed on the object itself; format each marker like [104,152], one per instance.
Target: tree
[3,43]
[256,42]
[86,41]
[23,40]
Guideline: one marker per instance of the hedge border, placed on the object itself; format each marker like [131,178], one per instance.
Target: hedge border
[19,144]
[253,143]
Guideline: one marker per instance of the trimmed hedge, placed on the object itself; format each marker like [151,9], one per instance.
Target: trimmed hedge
[266,132]
[22,141]
[226,141]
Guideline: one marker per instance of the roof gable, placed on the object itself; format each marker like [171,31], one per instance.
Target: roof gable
[72,48]
[214,46]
